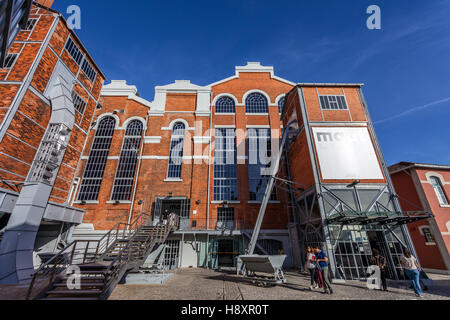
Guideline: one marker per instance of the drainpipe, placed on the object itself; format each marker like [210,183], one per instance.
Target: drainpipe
[144,132]
[209,166]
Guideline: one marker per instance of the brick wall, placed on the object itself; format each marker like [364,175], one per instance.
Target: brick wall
[29,123]
[194,185]
[429,255]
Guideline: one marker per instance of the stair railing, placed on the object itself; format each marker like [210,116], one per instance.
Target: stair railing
[121,264]
[82,252]
[121,231]
[75,253]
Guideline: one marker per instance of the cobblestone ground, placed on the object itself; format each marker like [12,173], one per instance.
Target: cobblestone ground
[199,284]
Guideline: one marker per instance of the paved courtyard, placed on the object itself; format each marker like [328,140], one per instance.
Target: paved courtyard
[199,284]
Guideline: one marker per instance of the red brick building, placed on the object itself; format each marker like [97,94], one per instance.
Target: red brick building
[218,204]
[427,187]
[342,197]
[49,83]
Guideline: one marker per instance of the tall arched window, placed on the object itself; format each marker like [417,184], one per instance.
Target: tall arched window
[439,190]
[225,105]
[256,103]
[95,167]
[176,151]
[123,183]
[281,104]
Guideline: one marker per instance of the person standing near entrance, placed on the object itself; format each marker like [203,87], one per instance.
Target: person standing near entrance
[165,216]
[322,259]
[378,260]
[311,266]
[411,268]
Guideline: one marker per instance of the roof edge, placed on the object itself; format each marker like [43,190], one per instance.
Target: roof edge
[359,85]
[73,33]
[419,165]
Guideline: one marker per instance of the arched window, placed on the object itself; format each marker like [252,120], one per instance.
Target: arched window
[95,167]
[281,104]
[225,105]
[176,151]
[256,103]
[439,190]
[123,183]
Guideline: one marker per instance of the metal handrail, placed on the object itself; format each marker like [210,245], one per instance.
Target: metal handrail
[117,229]
[48,263]
[123,261]
[72,248]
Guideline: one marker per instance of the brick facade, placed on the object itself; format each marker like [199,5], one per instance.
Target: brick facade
[25,111]
[152,182]
[414,186]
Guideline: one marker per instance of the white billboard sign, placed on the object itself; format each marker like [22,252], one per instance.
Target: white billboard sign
[346,153]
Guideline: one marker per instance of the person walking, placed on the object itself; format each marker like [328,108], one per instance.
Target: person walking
[311,266]
[378,260]
[322,260]
[412,270]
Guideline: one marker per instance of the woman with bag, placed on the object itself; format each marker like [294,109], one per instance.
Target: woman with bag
[311,266]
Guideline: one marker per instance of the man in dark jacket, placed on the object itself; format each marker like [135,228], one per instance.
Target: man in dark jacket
[378,260]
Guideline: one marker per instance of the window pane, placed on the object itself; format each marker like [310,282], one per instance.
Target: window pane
[123,183]
[95,167]
[176,151]
[257,103]
[259,154]
[225,165]
[333,102]
[437,186]
[281,104]
[225,105]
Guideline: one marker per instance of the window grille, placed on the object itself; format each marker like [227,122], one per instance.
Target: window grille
[176,151]
[429,238]
[88,70]
[80,59]
[256,103]
[123,183]
[74,51]
[333,103]
[78,103]
[171,254]
[10,60]
[437,186]
[30,24]
[225,105]
[225,214]
[225,165]
[259,145]
[95,167]
[281,105]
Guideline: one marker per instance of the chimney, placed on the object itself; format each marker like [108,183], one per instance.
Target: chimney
[47,3]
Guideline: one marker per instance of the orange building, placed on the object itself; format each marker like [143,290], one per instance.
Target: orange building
[426,187]
[218,202]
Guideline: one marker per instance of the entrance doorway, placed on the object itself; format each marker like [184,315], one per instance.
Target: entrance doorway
[180,206]
[226,253]
[390,249]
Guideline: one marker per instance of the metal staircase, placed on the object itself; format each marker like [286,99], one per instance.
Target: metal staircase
[90,270]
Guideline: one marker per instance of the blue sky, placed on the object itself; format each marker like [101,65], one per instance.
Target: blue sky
[405,66]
